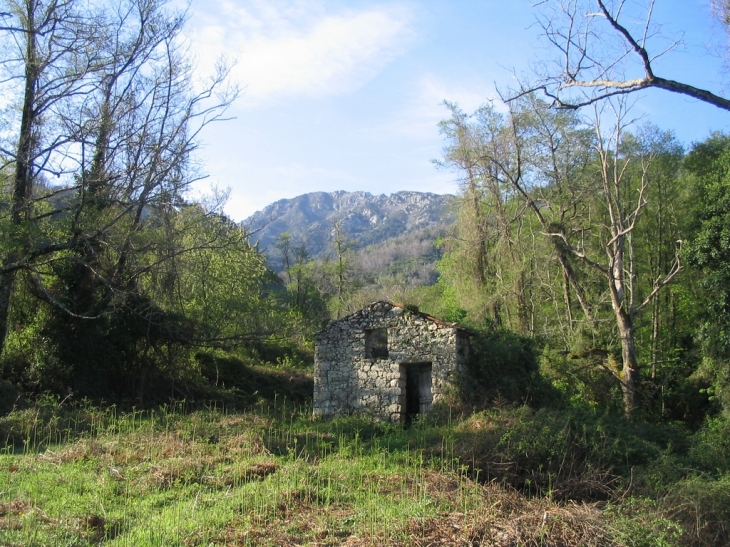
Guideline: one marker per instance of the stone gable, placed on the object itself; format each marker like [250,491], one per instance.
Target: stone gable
[385,361]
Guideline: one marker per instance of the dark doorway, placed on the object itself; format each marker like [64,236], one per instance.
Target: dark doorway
[418,389]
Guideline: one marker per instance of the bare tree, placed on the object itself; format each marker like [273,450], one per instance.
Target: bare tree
[110,107]
[587,194]
[605,48]
[343,255]
[50,53]
[624,201]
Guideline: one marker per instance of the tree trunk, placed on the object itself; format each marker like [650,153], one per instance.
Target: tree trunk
[23,180]
[629,373]
[6,286]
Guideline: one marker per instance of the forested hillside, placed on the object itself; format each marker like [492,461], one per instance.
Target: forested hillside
[342,250]
[361,218]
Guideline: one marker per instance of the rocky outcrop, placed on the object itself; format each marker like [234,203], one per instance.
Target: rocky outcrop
[385,361]
[365,219]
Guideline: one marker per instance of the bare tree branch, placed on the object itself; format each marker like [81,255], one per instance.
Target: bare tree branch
[602,77]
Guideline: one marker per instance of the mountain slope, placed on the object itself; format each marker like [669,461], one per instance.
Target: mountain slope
[365,219]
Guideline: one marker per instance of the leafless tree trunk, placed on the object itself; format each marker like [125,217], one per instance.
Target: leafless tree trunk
[624,205]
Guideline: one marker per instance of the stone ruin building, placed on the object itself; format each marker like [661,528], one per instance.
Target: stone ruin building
[386,361]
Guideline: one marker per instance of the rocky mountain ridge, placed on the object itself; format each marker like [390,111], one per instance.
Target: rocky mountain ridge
[365,219]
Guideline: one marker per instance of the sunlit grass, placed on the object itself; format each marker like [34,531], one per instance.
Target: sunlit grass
[270,476]
[172,477]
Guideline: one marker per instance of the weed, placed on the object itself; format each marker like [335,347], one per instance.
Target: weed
[273,476]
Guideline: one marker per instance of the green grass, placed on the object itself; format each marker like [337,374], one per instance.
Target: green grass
[207,477]
[272,476]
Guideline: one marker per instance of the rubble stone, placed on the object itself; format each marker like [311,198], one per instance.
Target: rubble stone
[347,379]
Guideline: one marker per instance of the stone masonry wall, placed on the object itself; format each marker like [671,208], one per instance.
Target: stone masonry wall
[346,380]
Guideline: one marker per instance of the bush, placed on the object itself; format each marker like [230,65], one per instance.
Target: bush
[244,380]
[578,382]
[568,454]
[711,446]
[640,522]
[10,397]
[702,506]
[502,369]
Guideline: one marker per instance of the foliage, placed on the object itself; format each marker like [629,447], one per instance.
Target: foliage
[711,447]
[708,251]
[568,232]
[210,291]
[701,506]
[502,369]
[110,278]
[569,453]
[640,523]
[249,381]
[580,379]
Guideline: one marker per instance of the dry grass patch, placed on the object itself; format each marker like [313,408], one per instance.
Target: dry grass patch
[299,521]
[11,513]
[17,514]
[505,518]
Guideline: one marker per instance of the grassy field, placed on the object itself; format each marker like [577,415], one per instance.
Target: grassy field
[272,476]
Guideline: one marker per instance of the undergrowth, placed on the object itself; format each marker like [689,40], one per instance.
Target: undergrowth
[83,476]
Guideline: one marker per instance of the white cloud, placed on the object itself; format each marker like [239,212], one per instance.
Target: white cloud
[426,108]
[469,95]
[296,48]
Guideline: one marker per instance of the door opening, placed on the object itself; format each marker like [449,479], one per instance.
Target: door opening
[418,397]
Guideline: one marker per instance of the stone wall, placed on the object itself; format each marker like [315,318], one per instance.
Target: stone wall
[347,380]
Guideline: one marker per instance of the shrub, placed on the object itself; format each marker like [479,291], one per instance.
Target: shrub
[502,368]
[711,446]
[640,522]
[702,506]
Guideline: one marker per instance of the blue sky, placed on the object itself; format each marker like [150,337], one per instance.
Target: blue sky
[346,95]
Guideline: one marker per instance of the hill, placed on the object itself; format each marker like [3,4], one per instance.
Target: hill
[366,221]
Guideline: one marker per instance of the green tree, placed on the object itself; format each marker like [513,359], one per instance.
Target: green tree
[708,251]
[489,264]
[51,50]
[111,110]
[586,196]
[214,279]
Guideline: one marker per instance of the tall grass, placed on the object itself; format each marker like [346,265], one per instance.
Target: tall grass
[177,476]
[173,477]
